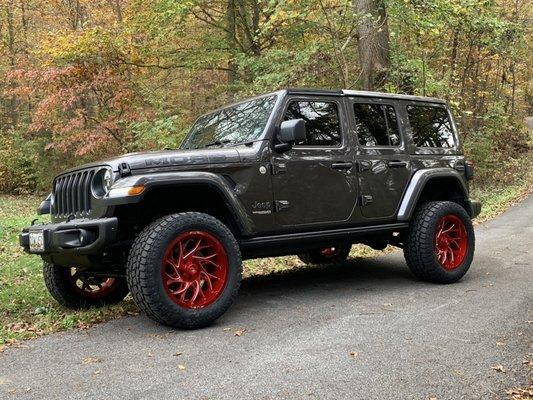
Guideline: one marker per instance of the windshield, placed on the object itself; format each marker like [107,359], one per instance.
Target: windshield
[243,122]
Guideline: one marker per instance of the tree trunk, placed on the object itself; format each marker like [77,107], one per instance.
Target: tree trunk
[231,37]
[373,43]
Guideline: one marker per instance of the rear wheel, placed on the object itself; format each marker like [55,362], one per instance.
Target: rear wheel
[327,255]
[184,270]
[440,242]
[76,289]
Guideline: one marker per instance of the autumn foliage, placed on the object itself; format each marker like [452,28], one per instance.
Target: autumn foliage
[82,80]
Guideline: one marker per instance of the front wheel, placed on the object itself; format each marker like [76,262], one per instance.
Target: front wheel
[184,270]
[440,242]
[74,288]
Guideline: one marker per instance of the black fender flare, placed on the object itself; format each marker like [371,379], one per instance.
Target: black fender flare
[416,185]
[178,179]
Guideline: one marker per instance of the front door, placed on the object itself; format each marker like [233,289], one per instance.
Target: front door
[315,183]
[382,159]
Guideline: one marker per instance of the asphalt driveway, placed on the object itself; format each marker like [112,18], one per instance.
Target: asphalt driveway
[367,330]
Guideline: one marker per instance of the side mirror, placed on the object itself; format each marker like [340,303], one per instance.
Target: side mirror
[290,132]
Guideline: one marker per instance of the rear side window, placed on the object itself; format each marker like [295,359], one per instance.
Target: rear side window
[376,125]
[322,122]
[431,126]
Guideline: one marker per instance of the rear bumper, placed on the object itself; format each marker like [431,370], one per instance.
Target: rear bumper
[76,237]
[475,208]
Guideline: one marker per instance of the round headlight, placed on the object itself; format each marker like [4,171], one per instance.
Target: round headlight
[102,182]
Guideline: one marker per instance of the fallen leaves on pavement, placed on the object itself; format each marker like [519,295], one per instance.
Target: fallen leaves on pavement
[90,360]
[239,332]
[498,368]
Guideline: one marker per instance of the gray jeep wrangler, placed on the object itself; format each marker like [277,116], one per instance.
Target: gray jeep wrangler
[298,171]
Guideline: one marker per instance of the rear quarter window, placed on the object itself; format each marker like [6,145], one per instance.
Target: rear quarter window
[431,126]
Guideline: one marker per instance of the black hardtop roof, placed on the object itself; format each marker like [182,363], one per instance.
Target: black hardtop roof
[362,93]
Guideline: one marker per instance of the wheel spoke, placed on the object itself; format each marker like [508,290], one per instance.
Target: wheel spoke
[195,248]
[205,257]
[209,262]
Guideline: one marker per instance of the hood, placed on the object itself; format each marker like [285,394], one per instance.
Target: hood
[167,158]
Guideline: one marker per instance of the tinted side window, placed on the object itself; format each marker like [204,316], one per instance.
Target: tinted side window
[431,126]
[321,122]
[376,125]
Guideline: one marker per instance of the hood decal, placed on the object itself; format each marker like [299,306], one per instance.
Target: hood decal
[183,159]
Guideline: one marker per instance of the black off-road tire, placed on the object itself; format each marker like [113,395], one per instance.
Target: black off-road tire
[143,270]
[59,284]
[316,257]
[419,247]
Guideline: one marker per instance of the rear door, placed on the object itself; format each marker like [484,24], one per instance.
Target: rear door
[382,159]
[315,183]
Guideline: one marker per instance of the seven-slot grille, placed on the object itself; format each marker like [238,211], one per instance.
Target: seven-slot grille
[72,193]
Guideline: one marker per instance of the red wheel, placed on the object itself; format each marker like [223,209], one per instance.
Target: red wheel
[76,289]
[331,255]
[195,269]
[92,287]
[330,252]
[451,241]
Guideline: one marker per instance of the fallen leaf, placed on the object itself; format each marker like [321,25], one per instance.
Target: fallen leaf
[182,367]
[498,368]
[90,360]
[240,332]
[150,354]
[97,372]
[179,353]
[354,354]
[500,344]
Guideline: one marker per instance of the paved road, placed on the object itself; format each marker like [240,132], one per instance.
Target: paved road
[413,340]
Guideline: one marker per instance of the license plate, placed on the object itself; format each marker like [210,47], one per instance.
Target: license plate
[37,242]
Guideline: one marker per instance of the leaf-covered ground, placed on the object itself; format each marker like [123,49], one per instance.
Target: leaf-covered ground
[27,310]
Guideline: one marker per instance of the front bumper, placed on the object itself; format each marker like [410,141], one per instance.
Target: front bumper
[76,237]
[475,208]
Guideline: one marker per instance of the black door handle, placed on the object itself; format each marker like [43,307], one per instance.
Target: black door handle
[397,164]
[342,165]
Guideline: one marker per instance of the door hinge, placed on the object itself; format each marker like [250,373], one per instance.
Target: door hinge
[366,199]
[281,205]
[280,168]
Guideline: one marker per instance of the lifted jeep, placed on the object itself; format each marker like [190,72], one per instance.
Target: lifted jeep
[297,171]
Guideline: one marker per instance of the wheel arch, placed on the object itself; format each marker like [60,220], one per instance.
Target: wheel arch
[439,184]
[167,193]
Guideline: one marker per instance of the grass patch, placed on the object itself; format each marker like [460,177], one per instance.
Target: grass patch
[26,308]
[495,198]
[28,311]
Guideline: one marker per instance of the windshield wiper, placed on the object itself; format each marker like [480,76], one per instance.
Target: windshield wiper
[247,142]
[217,143]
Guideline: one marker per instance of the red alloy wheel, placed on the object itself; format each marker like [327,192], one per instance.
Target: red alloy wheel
[92,287]
[451,241]
[195,269]
[330,252]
